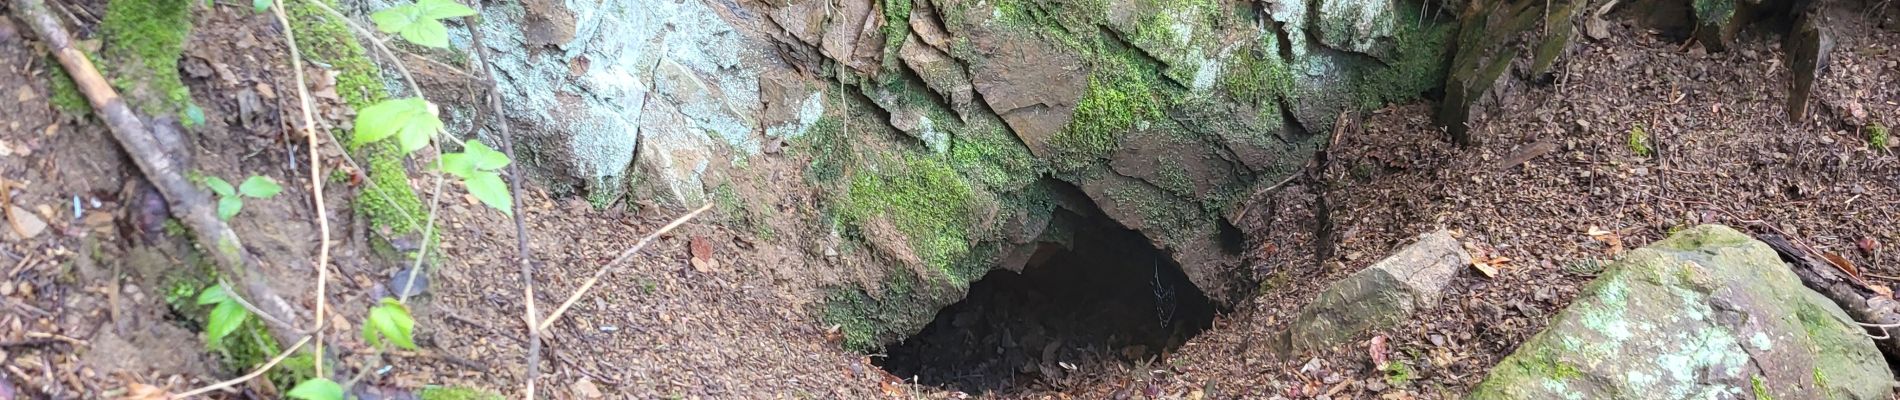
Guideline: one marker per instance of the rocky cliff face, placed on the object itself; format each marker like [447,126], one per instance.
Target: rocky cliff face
[929,141]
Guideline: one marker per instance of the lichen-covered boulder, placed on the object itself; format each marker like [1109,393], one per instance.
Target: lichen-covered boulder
[1707,313]
[1381,295]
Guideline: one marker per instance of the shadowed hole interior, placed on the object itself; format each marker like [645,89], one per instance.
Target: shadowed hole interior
[1106,297]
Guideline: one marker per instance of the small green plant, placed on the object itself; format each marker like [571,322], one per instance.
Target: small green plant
[480,169]
[1397,374]
[316,389]
[1877,136]
[227,314]
[414,123]
[1639,141]
[421,23]
[231,199]
[390,323]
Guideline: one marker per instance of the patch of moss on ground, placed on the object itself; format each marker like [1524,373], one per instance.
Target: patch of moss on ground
[1877,136]
[456,393]
[143,42]
[985,150]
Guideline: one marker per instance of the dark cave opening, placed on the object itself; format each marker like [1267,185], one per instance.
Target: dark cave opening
[1108,297]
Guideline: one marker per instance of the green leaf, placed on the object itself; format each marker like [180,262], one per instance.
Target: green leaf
[224,319]
[213,294]
[485,158]
[219,186]
[440,9]
[458,164]
[228,206]
[259,186]
[409,118]
[194,116]
[261,5]
[392,322]
[316,389]
[488,187]
[421,23]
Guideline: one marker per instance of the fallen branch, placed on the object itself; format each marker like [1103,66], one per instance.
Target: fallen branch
[514,194]
[189,205]
[624,255]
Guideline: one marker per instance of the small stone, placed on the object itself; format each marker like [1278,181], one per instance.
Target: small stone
[1375,386]
[399,284]
[6,288]
[27,225]
[586,389]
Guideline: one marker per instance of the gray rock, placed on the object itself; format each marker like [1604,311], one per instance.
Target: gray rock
[1706,313]
[1361,26]
[1381,295]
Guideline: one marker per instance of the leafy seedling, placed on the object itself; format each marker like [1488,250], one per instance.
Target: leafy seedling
[1639,141]
[227,314]
[412,121]
[421,23]
[479,167]
[231,199]
[390,322]
[316,389]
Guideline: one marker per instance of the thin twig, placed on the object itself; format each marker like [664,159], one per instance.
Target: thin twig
[522,254]
[316,181]
[616,262]
[253,375]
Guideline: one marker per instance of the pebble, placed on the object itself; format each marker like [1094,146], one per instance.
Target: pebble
[400,281]
[30,225]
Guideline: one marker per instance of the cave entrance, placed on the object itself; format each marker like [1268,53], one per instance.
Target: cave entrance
[1109,296]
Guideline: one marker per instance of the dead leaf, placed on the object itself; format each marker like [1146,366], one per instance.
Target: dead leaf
[140,391]
[1607,237]
[701,250]
[1844,265]
[891,387]
[1378,350]
[1489,271]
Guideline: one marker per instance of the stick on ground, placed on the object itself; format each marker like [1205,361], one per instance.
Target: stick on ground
[191,206]
[624,255]
[514,194]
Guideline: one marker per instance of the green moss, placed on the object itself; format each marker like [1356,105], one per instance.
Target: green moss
[1877,136]
[1761,389]
[1257,76]
[1167,215]
[66,97]
[1119,96]
[831,153]
[1397,374]
[456,393]
[1713,12]
[143,41]
[988,152]
[1418,63]
[1639,141]
[925,199]
[294,369]
[387,200]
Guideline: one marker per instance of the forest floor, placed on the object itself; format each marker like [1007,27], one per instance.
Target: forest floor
[1555,189]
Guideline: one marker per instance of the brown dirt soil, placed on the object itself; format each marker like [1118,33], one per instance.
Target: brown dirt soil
[85,313]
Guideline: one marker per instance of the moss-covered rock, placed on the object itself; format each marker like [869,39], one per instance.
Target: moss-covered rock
[1706,313]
